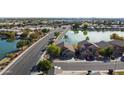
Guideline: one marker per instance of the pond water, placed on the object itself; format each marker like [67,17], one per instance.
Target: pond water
[93,36]
[7,47]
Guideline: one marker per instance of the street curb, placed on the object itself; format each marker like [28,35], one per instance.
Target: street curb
[41,58]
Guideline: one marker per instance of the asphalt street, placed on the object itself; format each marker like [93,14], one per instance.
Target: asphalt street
[90,65]
[25,63]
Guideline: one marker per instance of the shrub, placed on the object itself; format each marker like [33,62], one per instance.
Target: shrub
[116,37]
[56,34]
[54,50]
[85,32]
[45,66]
[45,30]
[87,38]
[22,43]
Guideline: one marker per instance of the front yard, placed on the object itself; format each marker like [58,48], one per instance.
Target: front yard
[119,73]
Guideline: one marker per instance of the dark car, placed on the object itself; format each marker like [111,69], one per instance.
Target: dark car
[106,59]
[42,50]
[122,58]
[34,69]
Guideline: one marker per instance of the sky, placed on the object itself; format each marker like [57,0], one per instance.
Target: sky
[62,8]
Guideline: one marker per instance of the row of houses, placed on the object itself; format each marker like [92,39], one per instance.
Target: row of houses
[17,29]
[88,50]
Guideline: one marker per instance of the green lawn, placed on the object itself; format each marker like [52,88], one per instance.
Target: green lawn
[4,60]
[119,73]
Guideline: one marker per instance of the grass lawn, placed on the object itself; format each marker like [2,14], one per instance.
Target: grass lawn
[4,60]
[119,73]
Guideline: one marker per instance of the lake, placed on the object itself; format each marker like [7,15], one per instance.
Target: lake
[94,36]
[7,47]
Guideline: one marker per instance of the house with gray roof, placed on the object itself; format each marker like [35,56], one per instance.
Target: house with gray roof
[103,44]
[119,43]
[118,47]
[68,50]
[84,43]
[86,50]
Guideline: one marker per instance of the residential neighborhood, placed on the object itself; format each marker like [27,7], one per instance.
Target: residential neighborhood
[61,46]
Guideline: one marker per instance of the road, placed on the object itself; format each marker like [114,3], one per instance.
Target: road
[90,65]
[24,64]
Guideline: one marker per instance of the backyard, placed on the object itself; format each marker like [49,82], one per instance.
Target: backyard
[90,46]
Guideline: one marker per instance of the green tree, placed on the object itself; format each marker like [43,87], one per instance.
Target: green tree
[109,51]
[116,37]
[24,35]
[27,30]
[54,50]
[106,51]
[45,66]
[76,26]
[45,30]
[34,35]
[102,52]
[10,35]
[56,34]
[22,43]
[87,38]
[11,55]
[65,37]
[85,26]
[85,32]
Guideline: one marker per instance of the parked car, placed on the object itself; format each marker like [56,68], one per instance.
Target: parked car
[122,58]
[106,59]
[34,69]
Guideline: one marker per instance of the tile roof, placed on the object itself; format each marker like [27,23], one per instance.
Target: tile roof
[103,44]
[66,45]
[119,43]
[84,42]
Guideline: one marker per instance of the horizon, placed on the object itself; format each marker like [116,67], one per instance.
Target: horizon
[66,17]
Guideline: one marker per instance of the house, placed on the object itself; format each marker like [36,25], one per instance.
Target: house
[118,47]
[93,47]
[84,44]
[68,51]
[117,43]
[103,44]
[86,50]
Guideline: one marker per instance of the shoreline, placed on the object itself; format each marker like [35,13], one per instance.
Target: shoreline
[16,54]
[9,52]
